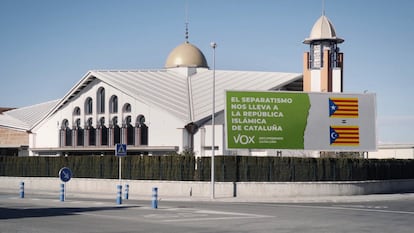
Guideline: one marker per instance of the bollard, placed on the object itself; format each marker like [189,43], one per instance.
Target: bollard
[126,191]
[22,189]
[62,192]
[155,197]
[119,195]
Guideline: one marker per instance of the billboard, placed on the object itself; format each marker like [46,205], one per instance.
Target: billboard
[300,121]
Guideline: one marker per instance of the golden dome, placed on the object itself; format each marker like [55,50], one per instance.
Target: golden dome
[186,55]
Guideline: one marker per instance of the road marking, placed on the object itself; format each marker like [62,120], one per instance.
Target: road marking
[362,206]
[210,219]
[182,215]
[347,208]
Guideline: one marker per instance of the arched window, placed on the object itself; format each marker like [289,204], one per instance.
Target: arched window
[88,106]
[66,133]
[130,131]
[117,130]
[78,123]
[76,111]
[92,132]
[100,100]
[140,124]
[140,120]
[79,133]
[65,124]
[104,132]
[126,108]
[89,122]
[113,104]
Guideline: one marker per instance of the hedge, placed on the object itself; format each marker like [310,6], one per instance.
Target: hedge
[227,168]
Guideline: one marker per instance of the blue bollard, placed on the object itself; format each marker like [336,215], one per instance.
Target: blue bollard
[119,195]
[22,189]
[155,197]
[126,191]
[62,192]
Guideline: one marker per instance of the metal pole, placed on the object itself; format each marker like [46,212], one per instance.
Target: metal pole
[120,167]
[119,186]
[213,45]
[62,192]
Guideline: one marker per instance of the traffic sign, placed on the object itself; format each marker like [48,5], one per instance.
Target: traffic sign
[65,174]
[120,149]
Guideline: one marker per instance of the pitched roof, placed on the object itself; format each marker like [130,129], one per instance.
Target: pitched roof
[187,97]
[24,118]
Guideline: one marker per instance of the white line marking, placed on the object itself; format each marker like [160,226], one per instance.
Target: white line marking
[347,208]
[210,219]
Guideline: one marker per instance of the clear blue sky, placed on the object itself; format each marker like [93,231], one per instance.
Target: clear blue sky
[46,46]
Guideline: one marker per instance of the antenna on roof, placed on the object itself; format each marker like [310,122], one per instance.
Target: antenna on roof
[186,21]
[323,7]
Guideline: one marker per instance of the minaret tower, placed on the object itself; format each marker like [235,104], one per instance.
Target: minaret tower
[323,64]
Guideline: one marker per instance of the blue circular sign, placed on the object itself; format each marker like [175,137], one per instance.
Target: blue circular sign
[65,174]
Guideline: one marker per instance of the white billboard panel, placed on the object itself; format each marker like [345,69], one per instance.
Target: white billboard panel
[293,120]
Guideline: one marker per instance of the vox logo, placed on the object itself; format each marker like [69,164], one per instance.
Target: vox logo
[243,139]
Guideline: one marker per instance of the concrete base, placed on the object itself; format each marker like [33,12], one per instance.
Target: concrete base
[143,188]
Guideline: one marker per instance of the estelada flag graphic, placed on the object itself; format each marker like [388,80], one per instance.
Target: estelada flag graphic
[343,107]
[344,135]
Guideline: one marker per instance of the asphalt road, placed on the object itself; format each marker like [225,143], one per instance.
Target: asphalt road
[44,215]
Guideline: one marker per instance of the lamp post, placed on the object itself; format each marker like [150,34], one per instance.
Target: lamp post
[214,46]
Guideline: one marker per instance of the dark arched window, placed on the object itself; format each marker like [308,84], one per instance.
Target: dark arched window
[92,132]
[130,131]
[88,106]
[117,130]
[104,132]
[113,104]
[140,124]
[100,100]
[76,111]
[79,133]
[67,133]
[126,108]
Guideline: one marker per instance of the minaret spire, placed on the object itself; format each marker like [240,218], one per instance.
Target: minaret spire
[323,64]
[186,32]
[323,7]
[186,22]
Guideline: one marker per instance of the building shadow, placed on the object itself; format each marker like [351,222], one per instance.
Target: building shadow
[17,213]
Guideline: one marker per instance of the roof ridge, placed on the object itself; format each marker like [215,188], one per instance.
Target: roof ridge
[129,71]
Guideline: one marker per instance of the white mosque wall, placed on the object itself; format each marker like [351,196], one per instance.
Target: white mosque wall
[163,128]
[336,80]
[204,138]
[393,152]
[46,136]
[316,80]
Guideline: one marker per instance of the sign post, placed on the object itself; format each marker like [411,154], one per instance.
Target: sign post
[65,174]
[120,151]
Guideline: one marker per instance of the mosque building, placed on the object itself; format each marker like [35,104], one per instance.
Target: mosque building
[161,110]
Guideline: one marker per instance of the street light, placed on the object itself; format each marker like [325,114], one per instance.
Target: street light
[214,46]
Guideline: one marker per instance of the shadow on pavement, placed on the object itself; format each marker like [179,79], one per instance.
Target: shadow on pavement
[16,213]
